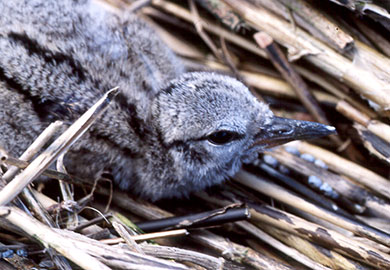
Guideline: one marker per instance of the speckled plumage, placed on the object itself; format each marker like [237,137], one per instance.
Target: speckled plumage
[58,57]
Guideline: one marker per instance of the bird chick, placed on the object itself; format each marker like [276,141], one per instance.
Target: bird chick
[168,133]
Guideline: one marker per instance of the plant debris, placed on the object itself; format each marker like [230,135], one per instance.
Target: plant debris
[323,204]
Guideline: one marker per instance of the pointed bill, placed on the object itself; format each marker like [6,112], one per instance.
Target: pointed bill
[283,130]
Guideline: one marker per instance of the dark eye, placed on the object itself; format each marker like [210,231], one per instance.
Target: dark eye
[222,137]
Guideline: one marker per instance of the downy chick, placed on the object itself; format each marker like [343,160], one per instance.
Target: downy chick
[167,134]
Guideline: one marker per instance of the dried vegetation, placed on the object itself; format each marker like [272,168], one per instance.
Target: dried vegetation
[318,205]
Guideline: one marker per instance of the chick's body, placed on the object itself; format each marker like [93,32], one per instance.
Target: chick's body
[58,57]
[168,132]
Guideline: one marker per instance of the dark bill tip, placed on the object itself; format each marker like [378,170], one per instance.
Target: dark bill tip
[283,130]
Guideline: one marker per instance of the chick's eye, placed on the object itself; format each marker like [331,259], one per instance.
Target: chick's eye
[221,137]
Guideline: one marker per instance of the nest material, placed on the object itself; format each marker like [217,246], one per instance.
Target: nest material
[321,205]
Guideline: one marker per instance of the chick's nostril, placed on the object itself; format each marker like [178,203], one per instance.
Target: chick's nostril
[281,130]
[287,131]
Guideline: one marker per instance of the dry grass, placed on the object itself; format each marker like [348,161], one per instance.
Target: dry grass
[284,212]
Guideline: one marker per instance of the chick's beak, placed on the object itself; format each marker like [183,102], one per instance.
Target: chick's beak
[283,130]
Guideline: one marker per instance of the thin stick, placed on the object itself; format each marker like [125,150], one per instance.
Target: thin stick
[223,13]
[59,146]
[48,172]
[66,191]
[199,28]
[64,187]
[91,222]
[26,193]
[374,144]
[137,5]
[380,129]
[147,236]
[278,59]
[230,213]
[220,54]
[34,148]
[129,240]
[350,112]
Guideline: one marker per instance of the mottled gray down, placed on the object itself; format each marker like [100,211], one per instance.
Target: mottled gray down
[57,58]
